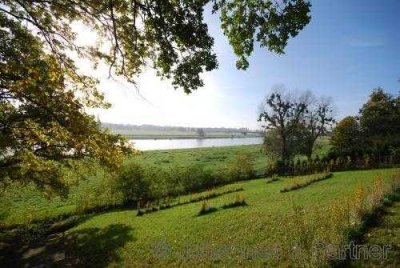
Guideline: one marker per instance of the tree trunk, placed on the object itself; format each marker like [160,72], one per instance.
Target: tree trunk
[285,153]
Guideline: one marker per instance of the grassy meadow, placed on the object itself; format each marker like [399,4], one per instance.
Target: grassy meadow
[250,222]
[178,236]
[24,203]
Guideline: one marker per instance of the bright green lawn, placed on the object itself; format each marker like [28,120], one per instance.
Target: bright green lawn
[121,237]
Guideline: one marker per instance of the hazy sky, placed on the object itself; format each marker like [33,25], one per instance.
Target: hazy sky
[349,48]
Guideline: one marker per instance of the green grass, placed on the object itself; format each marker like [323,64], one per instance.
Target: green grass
[120,237]
[213,158]
[23,203]
[385,233]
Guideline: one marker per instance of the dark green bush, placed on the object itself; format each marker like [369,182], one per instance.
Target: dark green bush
[133,184]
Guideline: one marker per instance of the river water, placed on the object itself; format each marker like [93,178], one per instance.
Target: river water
[166,144]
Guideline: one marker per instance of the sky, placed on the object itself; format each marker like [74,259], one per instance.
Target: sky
[349,48]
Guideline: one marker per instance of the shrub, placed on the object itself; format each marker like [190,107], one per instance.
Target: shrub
[272,164]
[159,184]
[357,205]
[131,182]
[377,194]
[98,193]
[195,178]
[242,167]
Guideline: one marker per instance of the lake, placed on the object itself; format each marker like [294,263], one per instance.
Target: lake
[166,144]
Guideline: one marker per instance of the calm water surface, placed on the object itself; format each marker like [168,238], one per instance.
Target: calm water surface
[163,144]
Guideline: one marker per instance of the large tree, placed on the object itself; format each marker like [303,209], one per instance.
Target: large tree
[281,115]
[43,97]
[380,121]
[43,124]
[317,120]
[347,138]
[170,36]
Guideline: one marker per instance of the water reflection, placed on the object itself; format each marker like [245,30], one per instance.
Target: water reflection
[163,144]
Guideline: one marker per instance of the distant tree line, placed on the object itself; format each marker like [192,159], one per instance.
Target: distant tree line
[146,127]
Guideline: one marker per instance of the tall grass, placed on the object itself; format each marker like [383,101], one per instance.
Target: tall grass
[297,183]
[313,237]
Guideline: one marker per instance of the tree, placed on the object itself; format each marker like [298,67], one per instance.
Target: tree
[42,120]
[171,36]
[380,121]
[200,132]
[282,112]
[347,138]
[318,117]
[44,98]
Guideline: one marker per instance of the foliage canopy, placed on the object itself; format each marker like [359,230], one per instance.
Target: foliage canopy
[44,97]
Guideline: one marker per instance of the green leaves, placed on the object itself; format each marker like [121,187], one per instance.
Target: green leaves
[43,123]
[170,36]
[267,22]
[43,97]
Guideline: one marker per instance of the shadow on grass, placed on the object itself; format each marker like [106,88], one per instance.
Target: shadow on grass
[94,247]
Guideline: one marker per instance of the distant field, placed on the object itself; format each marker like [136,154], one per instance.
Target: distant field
[162,238]
[213,158]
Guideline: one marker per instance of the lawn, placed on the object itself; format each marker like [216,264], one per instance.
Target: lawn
[178,236]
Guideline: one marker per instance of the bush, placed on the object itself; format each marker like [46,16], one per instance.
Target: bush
[159,184]
[242,167]
[98,193]
[132,183]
